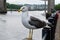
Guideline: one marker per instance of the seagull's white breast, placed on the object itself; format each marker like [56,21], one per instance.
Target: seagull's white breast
[25,21]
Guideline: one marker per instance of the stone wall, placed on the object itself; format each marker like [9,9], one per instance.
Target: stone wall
[57,34]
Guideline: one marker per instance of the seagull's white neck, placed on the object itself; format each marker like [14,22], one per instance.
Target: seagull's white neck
[24,14]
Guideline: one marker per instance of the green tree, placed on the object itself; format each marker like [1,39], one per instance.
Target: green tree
[13,6]
[57,7]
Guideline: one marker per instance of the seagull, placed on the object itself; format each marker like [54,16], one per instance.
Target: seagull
[31,22]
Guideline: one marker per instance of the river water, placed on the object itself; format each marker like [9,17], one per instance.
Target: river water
[11,27]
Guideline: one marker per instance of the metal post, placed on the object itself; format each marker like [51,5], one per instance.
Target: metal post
[45,7]
[51,4]
[3,8]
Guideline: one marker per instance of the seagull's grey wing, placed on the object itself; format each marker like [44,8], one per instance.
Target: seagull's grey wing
[36,22]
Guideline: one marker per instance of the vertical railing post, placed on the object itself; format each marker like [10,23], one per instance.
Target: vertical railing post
[51,4]
[3,8]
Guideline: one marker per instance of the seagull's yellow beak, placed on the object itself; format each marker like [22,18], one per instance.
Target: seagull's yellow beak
[19,10]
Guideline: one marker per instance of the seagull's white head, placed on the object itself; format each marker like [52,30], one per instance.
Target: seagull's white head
[23,9]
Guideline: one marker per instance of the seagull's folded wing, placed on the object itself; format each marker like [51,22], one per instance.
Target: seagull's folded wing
[36,22]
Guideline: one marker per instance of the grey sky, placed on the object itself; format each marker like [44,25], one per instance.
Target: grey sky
[29,1]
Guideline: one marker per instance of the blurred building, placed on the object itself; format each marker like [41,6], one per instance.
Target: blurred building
[36,7]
